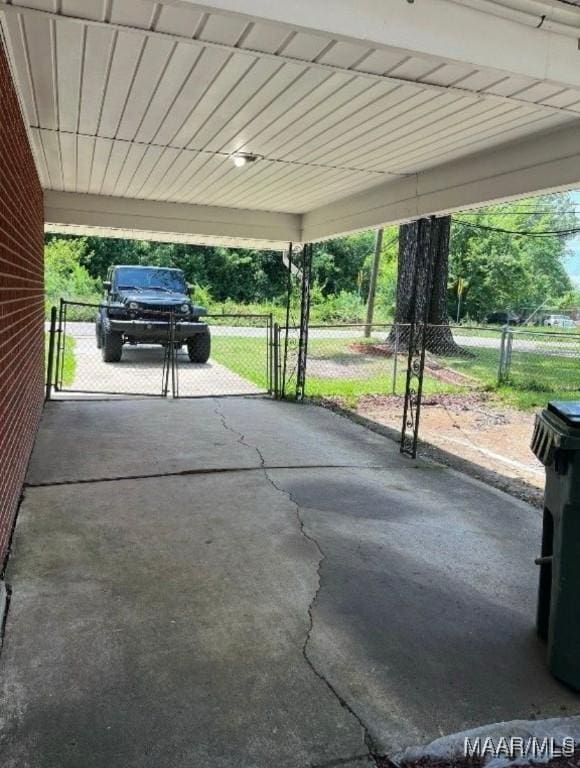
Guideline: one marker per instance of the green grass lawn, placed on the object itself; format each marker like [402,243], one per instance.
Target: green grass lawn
[339,368]
[69,363]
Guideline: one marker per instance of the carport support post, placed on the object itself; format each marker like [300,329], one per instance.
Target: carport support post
[373,282]
[304,320]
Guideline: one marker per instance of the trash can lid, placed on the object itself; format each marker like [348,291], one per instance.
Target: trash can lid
[567,410]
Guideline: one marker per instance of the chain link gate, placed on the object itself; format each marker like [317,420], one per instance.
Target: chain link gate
[240,361]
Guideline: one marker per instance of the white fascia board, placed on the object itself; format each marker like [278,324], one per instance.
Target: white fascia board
[188,221]
[447,30]
[543,163]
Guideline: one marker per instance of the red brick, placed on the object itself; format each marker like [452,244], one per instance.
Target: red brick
[21,303]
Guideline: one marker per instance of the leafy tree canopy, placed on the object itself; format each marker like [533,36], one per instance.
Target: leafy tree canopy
[498,271]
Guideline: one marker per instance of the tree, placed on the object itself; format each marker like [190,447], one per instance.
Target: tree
[422,283]
[503,271]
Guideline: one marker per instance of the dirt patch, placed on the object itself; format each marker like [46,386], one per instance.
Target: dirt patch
[471,425]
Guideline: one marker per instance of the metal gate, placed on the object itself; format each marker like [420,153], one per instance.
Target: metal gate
[240,362]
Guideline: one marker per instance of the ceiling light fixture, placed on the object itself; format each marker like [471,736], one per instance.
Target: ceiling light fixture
[242,159]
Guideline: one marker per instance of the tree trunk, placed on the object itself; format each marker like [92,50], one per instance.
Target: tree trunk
[422,284]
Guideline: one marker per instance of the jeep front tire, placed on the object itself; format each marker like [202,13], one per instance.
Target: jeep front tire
[199,347]
[111,345]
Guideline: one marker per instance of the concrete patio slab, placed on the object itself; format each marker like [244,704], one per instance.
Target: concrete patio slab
[352,602]
[120,438]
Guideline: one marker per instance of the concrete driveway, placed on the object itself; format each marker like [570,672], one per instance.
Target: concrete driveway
[140,370]
[250,583]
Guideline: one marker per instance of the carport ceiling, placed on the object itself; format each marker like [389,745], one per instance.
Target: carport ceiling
[149,101]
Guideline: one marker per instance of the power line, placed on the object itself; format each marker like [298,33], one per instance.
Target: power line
[520,233]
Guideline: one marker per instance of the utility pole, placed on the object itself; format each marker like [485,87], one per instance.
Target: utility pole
[373,282]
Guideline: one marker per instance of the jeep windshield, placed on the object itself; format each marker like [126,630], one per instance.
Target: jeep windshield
[150,279]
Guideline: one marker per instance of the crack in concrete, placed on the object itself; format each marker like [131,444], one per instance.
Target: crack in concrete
[368,739]
[199,471]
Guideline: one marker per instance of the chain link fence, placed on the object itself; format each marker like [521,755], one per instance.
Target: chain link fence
[156,353]
[481,385]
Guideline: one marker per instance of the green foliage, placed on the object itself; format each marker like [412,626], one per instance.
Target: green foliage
[64,274]
[500,271]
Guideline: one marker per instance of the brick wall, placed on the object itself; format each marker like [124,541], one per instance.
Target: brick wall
[21,303]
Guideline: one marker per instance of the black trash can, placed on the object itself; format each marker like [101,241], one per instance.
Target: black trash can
[556,443]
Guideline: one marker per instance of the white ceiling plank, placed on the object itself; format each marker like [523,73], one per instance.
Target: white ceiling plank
[540,92]
[305,46]
[150,187]
[208,65]
[103,148]
[566,98]
[223,29]
[241,103]
[85,153]
[371,123]
[175,174]
[69,40]
[179,69]
[405,135]
[240,128]
[306,90]
[83,9]
[175,20]
[470,120]
[414,68]
[68,154]
[470,142]
[41,166]
[51,149]
[486,140]
[117,160]
[39,5]
[98,47]
[480,81]
[267,38]
[150,158]
[132,162]
[125,59]
[343,54]
[328,115]
[380,61]
[180,183]
[19,55]
[134,13]
[448,74]
[211,92]
[322,104]
[151,68]
[472,123]
[38,41]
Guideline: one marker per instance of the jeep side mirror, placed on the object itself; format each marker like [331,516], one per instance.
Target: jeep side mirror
[190,287]
[107,285]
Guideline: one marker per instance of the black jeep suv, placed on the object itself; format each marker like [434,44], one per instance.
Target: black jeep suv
[137,307]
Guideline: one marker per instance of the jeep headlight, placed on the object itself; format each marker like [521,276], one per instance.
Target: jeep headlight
[133,305]
[185,308]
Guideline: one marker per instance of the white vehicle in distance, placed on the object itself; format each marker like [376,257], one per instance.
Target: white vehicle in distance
[559,321]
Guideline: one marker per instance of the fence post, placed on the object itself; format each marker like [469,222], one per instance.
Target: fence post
[395,358]
[50,359]
[269,345]
[508,354]
[505,355]
[501,362]
[275,360]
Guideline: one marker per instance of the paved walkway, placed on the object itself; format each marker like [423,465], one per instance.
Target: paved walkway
[248,583]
